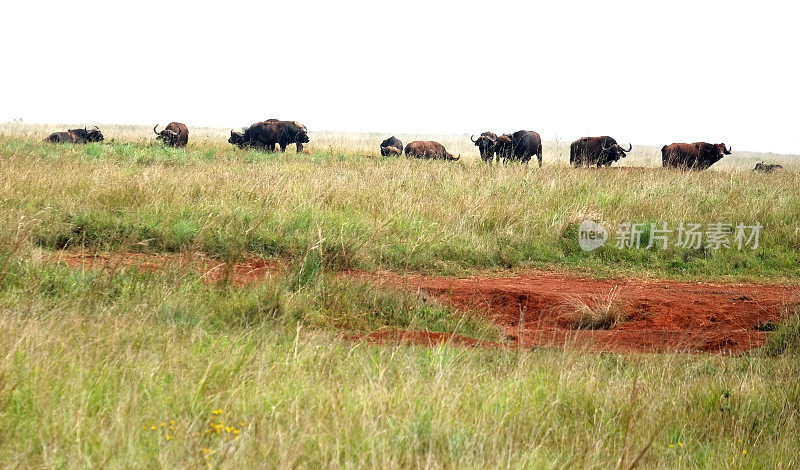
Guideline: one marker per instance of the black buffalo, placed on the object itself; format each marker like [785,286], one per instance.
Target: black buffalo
[76,136]
[763,168]
[696,156]
[266,134]
[520,146]
[428,150]
[391,146]
[176,134]
[599,151]
[486,145]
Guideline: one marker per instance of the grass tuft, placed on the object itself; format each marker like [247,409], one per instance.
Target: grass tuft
[596,313]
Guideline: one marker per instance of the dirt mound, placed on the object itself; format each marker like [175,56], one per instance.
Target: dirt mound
[534,309]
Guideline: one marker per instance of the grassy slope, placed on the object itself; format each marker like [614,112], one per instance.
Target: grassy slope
[88,359]
[396,214]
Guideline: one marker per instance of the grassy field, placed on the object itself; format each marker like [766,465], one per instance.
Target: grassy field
[91,360]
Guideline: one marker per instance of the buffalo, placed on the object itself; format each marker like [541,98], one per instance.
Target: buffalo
[176,134]
[429,150]
[519,146]
[761,167]
[599,151]
[696,156]
[486,145]
[267,133]
[76,136]
[391,146]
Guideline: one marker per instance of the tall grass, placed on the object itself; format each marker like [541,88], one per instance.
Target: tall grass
[92,361]
[386,213]
[123,367]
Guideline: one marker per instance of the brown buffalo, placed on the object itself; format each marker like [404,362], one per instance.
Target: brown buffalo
[76,136]
[600,151]
[519,146]
[696,156]
[429,150]
[267,133]
[176,134]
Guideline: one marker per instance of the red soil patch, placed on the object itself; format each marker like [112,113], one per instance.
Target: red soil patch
[660,316]
[211,271]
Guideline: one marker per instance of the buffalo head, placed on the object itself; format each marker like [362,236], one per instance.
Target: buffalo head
[615,151]
[237,138]
[167,136]
[722,150]
[92,135]
[486,145]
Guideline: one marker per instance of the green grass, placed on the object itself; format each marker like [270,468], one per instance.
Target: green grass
[386,213]
[91,359]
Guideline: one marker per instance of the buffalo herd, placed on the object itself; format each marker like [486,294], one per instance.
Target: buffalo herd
[76,136]
[520,146]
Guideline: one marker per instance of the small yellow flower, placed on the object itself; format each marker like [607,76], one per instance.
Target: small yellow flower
[744,452]
[228,429]
[172,422]
[680,444]
[153,427]
[241,423]
[162,425]
[217,411]
[236,431]
[169,437]
[671,446]
[145,426]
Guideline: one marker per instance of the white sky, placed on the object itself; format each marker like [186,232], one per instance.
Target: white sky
[677,71]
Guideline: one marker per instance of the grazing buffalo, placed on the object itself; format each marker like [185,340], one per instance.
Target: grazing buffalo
[486,145]
[429,150]
[76,136]
[176,134]
[267,133]
[391,146]
[519,146]
[696,156]
[761,167]
[503,147]
[600,151]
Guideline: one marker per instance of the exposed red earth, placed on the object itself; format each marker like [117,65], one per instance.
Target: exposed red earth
[529,308]
[660,315]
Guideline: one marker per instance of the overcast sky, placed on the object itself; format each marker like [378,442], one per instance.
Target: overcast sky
[678,71]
